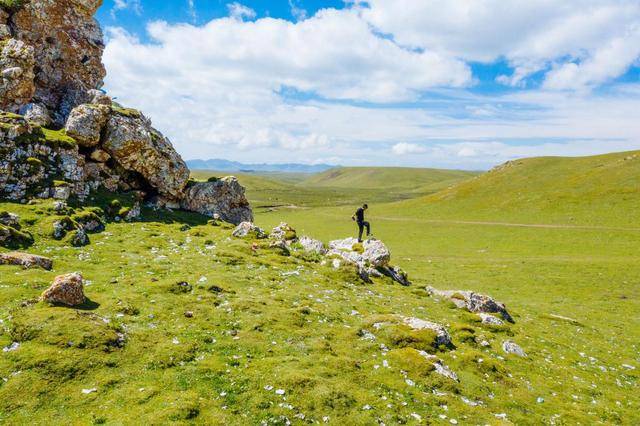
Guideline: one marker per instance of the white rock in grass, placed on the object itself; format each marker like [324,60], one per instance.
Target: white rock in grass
[513,348]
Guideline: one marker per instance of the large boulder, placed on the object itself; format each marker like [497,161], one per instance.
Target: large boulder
[473,302]
[224,197]
[85,123]
[26,260]
[66,290]
[138,147]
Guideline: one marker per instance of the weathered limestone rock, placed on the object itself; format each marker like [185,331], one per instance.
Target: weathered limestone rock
[138,147]
[85,123]
[419,324]
[66,290]
[512,348]
[246,229]
[439,366]
[473,302]
[26,260]
[372,252]
[17,85]
[224,197]
[68,45]
[283,232]
[312,246]
[371,257]
[36,114]
[490,319]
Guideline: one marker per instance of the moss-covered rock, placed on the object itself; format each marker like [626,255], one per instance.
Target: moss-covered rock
[13,238]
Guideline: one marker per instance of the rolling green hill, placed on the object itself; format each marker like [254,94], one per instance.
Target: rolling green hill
[396,178]
[597,190]
[341,186]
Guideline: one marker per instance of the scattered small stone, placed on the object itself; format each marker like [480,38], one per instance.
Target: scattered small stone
[490,319]
[88,391]
[280,391]
[188,314]
[513,348]
[12,347]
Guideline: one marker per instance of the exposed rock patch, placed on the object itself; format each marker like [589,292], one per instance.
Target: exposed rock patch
[371,258]
[66,290]
[513,348]
[246,229]
[26,260]
[310,245]
[443,337]
[473,302]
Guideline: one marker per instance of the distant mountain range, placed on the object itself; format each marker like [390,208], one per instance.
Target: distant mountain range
[234,166]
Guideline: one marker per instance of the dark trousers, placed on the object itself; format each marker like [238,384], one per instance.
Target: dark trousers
[361,226]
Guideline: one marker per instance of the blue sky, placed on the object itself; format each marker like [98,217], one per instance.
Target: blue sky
[455,83]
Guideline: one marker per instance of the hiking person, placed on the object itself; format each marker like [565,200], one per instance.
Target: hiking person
[359,218]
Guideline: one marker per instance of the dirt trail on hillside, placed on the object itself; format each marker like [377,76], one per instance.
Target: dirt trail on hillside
[508,224]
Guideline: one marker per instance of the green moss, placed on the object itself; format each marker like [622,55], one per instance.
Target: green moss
[402,336]
[213,179]
[34,162]
[410,360]
[12,5]
[126,112]
[53,138]
[123,212]
[13,239]
[358,248]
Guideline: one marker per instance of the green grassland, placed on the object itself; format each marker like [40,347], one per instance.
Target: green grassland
[341,186]
[263,321]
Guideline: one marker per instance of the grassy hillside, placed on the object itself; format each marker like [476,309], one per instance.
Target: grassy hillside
[341,186]
[253,321]
[391,178]
[277,191]
[598,190]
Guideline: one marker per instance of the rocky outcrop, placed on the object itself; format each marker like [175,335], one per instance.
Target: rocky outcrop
[138,147]
[65,42]
[224,197]
[17,61]
[26,260]
[473,302]
[66,290]
[371,257]
[70,138]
